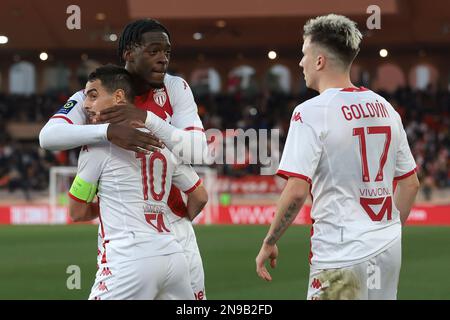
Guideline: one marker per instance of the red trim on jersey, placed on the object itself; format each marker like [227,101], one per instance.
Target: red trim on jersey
[310,241]
[104,251]
[194,186]
[194,128]
[75,198]
[360,89]
[176,203]
[101,222]
[287,174]
[168,100]
[62,117]
[102,230]
[406,175]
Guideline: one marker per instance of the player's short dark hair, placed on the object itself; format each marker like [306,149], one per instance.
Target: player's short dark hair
[336,33]
[113,78]
[132,34]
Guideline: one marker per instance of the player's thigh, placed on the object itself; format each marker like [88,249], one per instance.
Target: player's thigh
[197,274]
[384,274]
[130,280]
[185,234]
[348,283]
[177,283]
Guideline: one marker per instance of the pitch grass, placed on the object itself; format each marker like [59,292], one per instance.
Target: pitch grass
[34,260]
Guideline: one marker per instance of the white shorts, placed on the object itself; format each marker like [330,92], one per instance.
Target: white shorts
[154,278]
[184,232]
[373,279]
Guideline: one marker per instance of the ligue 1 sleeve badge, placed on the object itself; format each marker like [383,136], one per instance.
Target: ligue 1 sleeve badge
[69,104]
[65,109]
[160,97]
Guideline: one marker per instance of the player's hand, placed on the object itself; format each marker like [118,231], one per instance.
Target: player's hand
[132,139]
[126,114]
[267,252]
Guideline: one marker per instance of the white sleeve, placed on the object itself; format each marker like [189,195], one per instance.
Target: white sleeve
[405,165]
[66,129]
[185,178]
[57,134]
[302,151]
[185,112]
[91,162]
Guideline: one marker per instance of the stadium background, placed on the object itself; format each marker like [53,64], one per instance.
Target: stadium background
[222,50]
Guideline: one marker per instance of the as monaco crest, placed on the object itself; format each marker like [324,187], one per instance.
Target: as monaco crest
[160,98]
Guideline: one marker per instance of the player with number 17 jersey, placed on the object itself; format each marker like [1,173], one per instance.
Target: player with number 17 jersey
[350,145]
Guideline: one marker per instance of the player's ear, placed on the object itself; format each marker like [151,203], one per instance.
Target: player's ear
[119,96]
[128,55]
[320,62]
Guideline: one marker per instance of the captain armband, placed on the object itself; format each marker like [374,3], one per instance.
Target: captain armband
[83,190]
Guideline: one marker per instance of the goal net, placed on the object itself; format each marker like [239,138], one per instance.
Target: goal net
[60,181]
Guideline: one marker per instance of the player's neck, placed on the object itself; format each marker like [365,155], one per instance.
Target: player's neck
[140,85]
[334,81]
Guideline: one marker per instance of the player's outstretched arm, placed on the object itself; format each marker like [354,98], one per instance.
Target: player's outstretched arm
[58,134]
[196,201]
[405,194]
[288,207]
[67,129]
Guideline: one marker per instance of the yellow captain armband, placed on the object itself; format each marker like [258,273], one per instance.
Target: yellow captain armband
[83,190]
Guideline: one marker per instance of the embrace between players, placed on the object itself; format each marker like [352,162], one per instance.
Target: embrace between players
[147,246]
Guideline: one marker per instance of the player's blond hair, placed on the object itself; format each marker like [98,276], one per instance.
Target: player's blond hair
[336,33]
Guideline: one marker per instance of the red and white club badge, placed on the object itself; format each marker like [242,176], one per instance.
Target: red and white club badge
[160,98]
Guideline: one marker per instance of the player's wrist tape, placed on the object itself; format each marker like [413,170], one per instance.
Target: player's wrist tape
[83,190]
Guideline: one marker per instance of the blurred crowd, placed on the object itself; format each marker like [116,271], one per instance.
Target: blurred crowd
[425,115]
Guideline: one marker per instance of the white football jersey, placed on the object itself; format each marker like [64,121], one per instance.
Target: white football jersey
[133,189]
[350,145]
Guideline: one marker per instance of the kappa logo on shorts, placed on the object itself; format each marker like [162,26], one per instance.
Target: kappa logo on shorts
[102,286]
[106,272]
[316,284]
[65,109]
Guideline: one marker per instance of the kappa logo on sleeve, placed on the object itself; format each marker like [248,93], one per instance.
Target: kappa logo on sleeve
[65,109]
[297,117]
